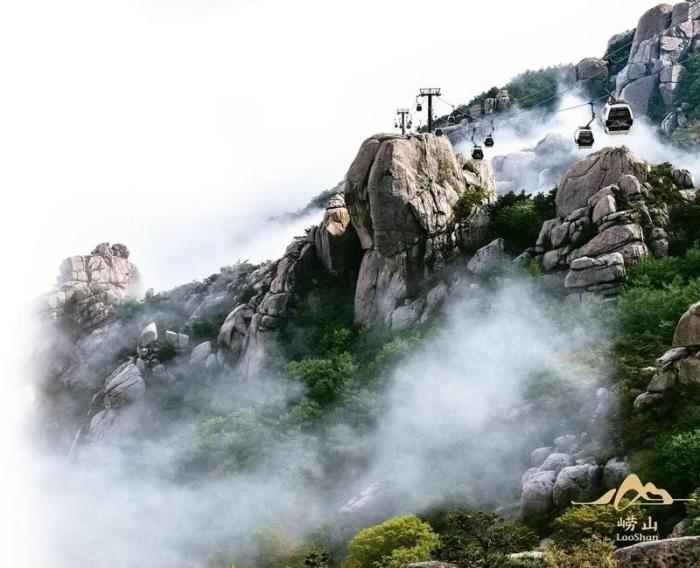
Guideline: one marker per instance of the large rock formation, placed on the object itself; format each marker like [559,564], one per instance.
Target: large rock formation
[605,221]
[664,36]
[668,553]
[599,170]
[402,193]
[115,408]
[90,287]
[250,329]
[680,365]
[395,225]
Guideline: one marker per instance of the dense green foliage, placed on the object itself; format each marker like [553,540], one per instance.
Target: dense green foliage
[661,439]
[392,544]
[688,134]
[689,84]
[680,459]
[518,217]
[482,539]
[590,553]
[469,203]
[535,88]
[527,90]
[586,522]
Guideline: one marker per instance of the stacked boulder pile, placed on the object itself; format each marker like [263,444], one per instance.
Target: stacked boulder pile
[117,405]
[565,472]
[604,222]
[680,365]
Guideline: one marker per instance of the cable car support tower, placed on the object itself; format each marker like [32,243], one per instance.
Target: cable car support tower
[403,112]
[430,93]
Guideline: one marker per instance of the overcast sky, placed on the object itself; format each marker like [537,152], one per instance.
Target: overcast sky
[174,125]
[178,126]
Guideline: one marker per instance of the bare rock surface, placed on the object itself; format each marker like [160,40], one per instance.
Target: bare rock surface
[688,330]
[91,287]
[598,170]
[681,552]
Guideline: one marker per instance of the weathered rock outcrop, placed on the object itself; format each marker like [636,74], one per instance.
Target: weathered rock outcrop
[114,408]
[395,226]
[668,553]
[688,330]
[401,193]
[680,365]
[337,246]
[266,310]
[566,471]
[90,287]
[664,36]
[402,190]
[604,223]
[600,169]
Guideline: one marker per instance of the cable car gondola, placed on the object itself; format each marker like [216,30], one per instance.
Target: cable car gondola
[617,117]
[438,132]
[477,151]
[489,141]
[584,135]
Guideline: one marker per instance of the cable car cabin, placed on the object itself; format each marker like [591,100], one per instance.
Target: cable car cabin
[477,153]
[419,107]
[584,137]
[488,142]
[617,118]
[438,132]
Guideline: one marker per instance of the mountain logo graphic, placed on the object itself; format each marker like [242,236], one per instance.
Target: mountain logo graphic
[632,491]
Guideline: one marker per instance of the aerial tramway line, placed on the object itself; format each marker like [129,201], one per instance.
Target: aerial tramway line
[616,117]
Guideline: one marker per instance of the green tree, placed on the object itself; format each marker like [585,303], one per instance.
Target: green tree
[391,544]
[518,217]
[680,459]
[482,539]
[588,522]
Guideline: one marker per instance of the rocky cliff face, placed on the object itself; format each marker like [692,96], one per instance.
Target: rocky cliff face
[654,62]
[402,193]
[608,217]
[394,226]
[664,35]
[400,219]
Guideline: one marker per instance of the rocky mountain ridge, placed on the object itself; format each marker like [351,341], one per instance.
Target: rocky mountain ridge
[412,212]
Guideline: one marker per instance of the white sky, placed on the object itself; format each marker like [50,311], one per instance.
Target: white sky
[175,126]
[170,125]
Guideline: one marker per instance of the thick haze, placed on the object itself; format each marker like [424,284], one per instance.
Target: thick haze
[449,426]
[174,126]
